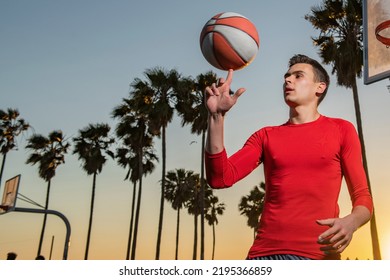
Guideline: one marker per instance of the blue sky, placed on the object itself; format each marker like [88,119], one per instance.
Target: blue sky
[65,64]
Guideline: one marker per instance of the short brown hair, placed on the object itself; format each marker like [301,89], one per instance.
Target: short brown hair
[320,74]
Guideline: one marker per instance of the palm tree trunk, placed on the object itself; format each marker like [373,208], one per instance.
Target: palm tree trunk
[195,236]
[160,222]
[2,168]
[177,234]
[90,216]
[44,219]
[140,174]
[131,222]
[212,256]
[373,227]
[134,247]
[202,191]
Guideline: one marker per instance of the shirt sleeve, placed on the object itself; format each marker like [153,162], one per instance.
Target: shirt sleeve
[352,166]
[223,171]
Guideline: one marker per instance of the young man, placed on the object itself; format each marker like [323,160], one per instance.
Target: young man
[304,161]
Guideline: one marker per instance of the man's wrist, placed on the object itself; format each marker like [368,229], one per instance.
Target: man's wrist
[216,116]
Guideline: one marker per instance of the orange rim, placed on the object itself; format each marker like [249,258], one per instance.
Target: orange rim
[379,28]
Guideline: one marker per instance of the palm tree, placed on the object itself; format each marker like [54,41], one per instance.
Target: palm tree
[126,157]
[137,153]
[91,144]
[341,45]
[252,206]
[142,163]
[49,152]
[190,106]
[177,191]
[159,91]
[211,216]
[11,126]
[193,208]
[195,204]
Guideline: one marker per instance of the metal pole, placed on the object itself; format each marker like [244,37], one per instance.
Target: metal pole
[51,247]
[53,212]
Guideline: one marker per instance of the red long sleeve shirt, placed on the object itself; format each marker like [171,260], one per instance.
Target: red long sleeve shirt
[303,165]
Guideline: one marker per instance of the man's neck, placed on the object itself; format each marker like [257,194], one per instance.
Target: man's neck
[300,115]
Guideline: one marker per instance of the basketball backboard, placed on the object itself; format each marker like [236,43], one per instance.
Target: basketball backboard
[376,36]
[9,195]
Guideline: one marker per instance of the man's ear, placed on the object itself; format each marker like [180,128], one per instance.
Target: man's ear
[321,88]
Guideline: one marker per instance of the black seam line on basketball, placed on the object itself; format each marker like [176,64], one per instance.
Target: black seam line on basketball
[234,28]
[244,60]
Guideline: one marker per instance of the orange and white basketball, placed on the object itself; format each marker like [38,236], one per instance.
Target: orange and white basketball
[229,41]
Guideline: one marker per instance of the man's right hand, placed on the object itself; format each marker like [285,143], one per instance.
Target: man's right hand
[217,97]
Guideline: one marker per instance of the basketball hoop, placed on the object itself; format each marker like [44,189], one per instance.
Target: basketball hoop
[384,40]
[9,196]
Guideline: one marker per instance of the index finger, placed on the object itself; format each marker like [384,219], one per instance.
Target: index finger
[229,76]
[326,236]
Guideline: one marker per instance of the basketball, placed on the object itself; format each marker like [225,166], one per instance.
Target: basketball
[229,41]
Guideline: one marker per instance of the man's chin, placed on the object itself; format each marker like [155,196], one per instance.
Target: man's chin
[290,103]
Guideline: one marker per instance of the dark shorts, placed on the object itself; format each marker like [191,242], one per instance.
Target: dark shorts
[286,257]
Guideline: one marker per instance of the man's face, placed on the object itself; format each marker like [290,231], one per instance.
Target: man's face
[299,86]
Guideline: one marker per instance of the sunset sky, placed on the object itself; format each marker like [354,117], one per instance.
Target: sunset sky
[66,64]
